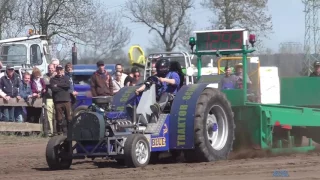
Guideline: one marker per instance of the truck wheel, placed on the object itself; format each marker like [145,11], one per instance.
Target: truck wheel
[79,110]
[213,126]
[136,151]
[58,153]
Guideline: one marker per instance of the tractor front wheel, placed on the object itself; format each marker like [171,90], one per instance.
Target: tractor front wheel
[213,127]
[58,153]
[136,151]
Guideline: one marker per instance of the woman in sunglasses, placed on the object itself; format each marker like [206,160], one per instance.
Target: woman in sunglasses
[132,78]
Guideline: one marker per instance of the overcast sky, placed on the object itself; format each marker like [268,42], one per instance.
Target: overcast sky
[287,18]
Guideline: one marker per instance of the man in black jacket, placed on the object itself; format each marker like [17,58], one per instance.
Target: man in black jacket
[60,85]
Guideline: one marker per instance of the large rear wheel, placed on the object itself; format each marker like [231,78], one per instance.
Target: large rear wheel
[213,127]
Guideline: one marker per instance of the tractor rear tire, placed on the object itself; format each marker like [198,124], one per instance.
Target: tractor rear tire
[57,152]
[213,128]
[136,151]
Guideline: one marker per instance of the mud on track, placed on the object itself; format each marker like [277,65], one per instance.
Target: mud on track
[23,158]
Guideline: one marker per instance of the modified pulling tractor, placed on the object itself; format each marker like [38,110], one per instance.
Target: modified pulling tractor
[200,121]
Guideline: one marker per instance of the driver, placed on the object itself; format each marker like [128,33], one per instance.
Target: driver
[169,83]
[229,80]
[316,72]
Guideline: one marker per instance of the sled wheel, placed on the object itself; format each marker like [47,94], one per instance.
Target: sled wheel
[213,127]
[137,151]
[57,153]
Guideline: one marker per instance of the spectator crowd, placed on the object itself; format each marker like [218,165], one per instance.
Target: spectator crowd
[56,88]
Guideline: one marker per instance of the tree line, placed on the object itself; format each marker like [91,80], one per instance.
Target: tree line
[102,33]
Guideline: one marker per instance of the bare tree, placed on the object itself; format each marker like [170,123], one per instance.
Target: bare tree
[61,48]
[249,14]
[7,16]
[106,35]
[57,17]
[167,18]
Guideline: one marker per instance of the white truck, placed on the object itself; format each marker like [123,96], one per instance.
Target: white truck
[25,53]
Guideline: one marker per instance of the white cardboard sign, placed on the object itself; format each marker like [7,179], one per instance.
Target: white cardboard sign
[269,85]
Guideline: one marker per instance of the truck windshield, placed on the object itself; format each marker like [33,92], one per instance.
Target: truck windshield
[82,79]
[15,54]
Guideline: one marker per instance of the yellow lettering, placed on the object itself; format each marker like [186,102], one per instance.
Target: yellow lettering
[181,119]
[181,137]
[126,95]
[181,125]
[180,143]
[183,107]
[182,113]
[181,131]
[186,97]
[189,93]
[159,142]
[120,108]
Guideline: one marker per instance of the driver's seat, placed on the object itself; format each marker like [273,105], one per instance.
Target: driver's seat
[164,100]
[103,101]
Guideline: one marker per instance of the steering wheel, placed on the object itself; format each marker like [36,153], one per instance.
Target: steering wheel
[152,80]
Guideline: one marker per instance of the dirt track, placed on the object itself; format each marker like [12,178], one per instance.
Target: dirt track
[23,158]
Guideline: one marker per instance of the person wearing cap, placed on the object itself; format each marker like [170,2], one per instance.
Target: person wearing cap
[60,86]
[316,71]
[10,84]
[101,82]
[132,78]
[239,76]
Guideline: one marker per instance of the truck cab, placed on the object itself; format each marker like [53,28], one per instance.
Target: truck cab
[25,53]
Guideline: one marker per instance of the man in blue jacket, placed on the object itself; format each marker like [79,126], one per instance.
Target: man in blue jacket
[25,93]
